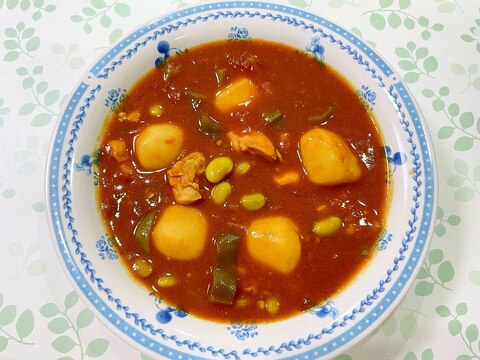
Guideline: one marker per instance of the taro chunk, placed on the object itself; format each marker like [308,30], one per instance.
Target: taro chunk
[327,159]
[180,233]
[158,146]
[240,92]
[274,241]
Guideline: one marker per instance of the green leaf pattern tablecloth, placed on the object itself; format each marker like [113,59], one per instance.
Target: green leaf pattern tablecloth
[47,44]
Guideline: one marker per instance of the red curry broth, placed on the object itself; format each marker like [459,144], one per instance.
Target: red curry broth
[300,87]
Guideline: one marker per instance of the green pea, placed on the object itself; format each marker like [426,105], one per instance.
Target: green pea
[218,168]
[327,226]
[253,202]
[221,192]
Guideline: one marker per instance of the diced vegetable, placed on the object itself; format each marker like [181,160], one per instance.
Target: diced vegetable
[275,119]
[327,159]
[218,168]
[170,70]
[240,92]
[224,285]
[327,226]
[323,117]
[181,232]
[288,177]
[221,192]
[209,126]
[242,302]
[253,202]
[242,168]
[156,110]
[195,98]
[143,230]
[220,75]
[274,241]
[158,145]
[142,267]
[223,288]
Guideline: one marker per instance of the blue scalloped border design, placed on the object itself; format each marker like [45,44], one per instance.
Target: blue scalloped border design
[85,276]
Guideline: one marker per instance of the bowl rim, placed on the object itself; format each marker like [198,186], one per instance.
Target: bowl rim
[58,233]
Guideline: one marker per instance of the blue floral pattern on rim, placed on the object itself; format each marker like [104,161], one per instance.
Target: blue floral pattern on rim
[375,302]
[114,99]
[316,49]
[238,33]
[88,164]
[105,247]
[367,97]
[165,51]
[324,310]
[383,240]
[164,315]
[396,159]
[243,331]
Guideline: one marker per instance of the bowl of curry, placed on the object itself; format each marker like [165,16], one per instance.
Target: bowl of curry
[240,180]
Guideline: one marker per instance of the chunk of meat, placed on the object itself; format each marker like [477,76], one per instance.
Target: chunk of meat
[182,178]
[134,116]
[254,142]
[118,150]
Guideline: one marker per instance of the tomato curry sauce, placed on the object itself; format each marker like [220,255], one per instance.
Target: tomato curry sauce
[243,181]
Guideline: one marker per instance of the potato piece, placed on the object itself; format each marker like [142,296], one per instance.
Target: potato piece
[327,159]
[158,146]
[274,241]
[180,233]
[240,92]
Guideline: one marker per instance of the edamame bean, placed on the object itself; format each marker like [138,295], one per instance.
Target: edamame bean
[253,202]
[221,192]
[327,226]
[218,168]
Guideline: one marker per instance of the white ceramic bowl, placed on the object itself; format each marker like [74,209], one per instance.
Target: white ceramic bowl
[151,325]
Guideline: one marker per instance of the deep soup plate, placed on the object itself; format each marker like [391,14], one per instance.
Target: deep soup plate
[151,325]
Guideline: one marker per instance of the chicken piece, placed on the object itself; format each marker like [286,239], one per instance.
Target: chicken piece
[118,150]
[254,142]
[182,178]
